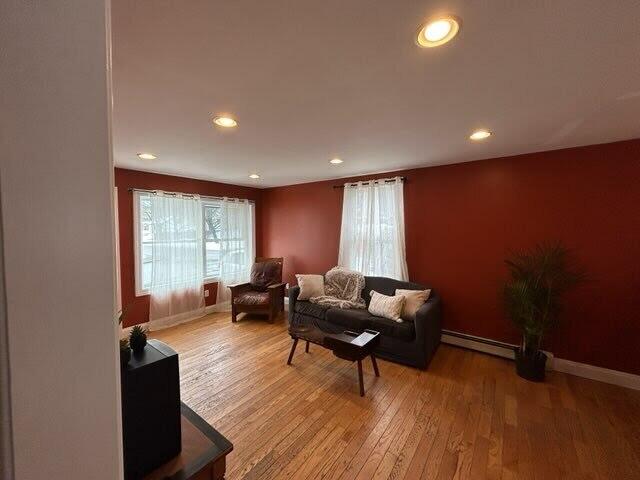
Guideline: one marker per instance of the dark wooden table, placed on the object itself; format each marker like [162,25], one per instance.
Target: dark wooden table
[203,455]
[347,345]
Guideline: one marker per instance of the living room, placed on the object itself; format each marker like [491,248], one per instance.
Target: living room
[320,240]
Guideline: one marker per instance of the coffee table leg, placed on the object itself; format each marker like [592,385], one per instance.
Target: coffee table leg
[375,365]
[293,349]
[306,348]
[360,378]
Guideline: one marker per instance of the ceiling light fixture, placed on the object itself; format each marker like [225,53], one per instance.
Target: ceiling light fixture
[438,31]
[147,156]
[225,121]
[480,134]
[255,176]
[336,161]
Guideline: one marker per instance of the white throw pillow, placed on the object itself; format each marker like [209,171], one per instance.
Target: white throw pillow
[386,306]
[414,299]
[310,286]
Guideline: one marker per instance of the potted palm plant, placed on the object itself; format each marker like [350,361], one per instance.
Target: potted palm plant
[533,300]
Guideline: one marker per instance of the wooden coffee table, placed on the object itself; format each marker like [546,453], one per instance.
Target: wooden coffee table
[347,345]
[203,454]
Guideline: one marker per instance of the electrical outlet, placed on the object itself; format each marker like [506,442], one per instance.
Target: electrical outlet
[206,293]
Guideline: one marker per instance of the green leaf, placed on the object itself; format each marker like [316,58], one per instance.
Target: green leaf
[533,296]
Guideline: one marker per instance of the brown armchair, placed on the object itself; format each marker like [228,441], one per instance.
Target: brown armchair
[264,293]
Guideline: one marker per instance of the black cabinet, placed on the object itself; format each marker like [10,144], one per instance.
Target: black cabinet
[150,409]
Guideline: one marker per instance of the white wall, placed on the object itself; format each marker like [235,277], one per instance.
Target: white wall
[56,181]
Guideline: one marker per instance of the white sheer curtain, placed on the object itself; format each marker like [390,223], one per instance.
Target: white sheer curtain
[372,233]
[237,249]
[177,262]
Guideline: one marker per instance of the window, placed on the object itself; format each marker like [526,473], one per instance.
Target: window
[211,215]
[144,239]
[372,232]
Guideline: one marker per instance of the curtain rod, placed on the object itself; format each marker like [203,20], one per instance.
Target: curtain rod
[188,195]
[367,182]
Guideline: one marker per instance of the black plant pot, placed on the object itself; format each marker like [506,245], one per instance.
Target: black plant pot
[125,356]
[531,367]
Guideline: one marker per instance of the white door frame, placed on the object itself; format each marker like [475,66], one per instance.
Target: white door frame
[6,434]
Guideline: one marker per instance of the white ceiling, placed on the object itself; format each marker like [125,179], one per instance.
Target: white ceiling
[309,80]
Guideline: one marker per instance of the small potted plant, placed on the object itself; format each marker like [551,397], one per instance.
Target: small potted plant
[533,300]
[137,339]
[125,352]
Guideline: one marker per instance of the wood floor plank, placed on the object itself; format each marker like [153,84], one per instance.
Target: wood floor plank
[467,416]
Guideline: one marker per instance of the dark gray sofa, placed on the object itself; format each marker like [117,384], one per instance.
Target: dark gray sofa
[410,343]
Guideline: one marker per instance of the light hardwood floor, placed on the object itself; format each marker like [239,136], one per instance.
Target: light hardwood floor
[467,416]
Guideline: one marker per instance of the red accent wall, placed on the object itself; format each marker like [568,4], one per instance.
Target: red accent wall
[125,179]
[462,220]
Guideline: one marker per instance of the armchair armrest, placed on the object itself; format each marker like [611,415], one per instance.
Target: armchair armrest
[238,288]
[276,295]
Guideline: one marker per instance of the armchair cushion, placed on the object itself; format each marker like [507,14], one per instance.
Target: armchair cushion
[252,298]
[264,274]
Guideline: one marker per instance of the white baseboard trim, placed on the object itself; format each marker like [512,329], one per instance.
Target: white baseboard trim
[167,322]
[218,307]
[480,345]
[176,320]
[615,377]
[506,350]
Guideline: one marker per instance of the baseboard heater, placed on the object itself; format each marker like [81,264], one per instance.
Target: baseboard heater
[480,344]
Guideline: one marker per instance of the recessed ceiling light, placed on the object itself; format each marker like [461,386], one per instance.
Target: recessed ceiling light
[225,121]
[336,161]
[147,156]
[255,176]
[438,31]
[480,134]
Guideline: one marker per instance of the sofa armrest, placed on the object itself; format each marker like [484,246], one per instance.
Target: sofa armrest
[428,323]
[293,297]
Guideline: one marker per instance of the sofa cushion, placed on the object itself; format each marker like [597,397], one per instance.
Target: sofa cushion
[310,286]
[359,320]
[386,286]
[311,309]
[386,306]
[350,318]
[391,328]
[414,299]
